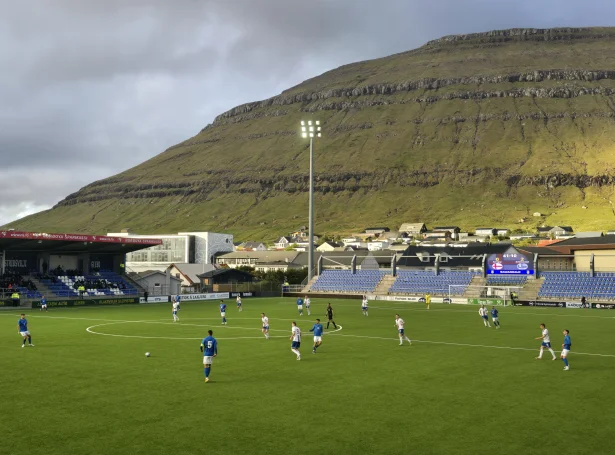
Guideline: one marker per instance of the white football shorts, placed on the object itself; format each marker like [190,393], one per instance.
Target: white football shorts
[223,314]
[25,334]
[565,352]
[317,339]
[208,360]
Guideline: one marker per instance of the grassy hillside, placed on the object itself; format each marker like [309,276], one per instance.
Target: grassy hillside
[475,130]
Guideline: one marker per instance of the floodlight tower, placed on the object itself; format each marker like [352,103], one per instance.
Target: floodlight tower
[311,129]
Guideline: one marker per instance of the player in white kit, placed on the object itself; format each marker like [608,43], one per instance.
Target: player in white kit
[399,323]
[546,342]
[364,304]
[265,329]
[484,314]
[295,337]
[175,306]
[307,302]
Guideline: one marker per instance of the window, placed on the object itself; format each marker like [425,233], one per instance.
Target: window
[171,250]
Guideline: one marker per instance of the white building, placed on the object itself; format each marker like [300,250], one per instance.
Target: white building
[180,248]
[378,245]
[156,282]
[486,231]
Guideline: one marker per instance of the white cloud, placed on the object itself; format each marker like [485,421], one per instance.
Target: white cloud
[97,87]
[9,213]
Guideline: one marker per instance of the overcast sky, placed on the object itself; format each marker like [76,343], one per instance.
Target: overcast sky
[89,88]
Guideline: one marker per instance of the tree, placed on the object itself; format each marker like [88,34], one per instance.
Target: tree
[247,268]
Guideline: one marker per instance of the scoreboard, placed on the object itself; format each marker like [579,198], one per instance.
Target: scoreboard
[509,263]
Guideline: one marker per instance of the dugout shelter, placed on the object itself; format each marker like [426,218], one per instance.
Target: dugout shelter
[31,252]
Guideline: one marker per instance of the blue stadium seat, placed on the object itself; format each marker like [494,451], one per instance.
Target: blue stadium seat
[421,282]
[574,285]
[346,281]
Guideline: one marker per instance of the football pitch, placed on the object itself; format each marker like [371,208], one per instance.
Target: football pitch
[460,388]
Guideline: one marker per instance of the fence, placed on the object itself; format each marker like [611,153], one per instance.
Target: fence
[484,295]
[262,286]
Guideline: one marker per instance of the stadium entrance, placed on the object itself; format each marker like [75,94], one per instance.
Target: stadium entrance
[65,266]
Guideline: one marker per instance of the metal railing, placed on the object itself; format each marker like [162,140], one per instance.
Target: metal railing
[262,286]
[292,288]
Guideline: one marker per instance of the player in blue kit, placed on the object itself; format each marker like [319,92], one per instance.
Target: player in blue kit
[43,303]
[223,311]
[300,306]
[178,300]
[22,325]
[209,348]
[566,349]
[494,317]
[317,329]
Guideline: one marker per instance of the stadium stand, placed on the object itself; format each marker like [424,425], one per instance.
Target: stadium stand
[22,284]
[103,283]
[506,280]
[559,285]
[421,282]
[346,281]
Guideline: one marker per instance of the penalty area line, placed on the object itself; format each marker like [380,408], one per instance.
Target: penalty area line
[469,345]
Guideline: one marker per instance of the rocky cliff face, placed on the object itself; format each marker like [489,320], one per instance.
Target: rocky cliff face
[520,120]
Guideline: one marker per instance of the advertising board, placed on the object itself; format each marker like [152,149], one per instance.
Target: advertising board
[210,296]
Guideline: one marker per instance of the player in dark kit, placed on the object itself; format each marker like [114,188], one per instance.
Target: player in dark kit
[329,315]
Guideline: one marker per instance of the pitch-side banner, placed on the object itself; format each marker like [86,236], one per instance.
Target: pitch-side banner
[88,302]
[604,306]
[574,305]
[155,299]
[539,303]
[408,298]
[211,296]
[486,301]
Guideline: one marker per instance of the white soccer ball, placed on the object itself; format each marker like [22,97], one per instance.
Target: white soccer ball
[147,354]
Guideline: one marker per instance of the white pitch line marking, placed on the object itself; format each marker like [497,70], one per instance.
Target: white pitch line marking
[466,344]
[89,330]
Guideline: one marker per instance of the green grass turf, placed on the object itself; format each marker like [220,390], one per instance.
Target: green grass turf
[83,393]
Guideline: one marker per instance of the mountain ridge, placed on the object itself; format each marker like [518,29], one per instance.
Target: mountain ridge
[451,131]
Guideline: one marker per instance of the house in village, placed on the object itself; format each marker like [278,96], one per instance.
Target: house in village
[413,229]
[189,274]
[328,246]
[251,246]
[452,230]
[555,231]
[486,231]
[376,231]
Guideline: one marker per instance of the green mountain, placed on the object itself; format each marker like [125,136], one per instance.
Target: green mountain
[479,129]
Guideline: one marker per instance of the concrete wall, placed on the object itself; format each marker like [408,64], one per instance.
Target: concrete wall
[604,260]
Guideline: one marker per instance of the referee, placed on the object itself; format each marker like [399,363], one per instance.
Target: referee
[329,315]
